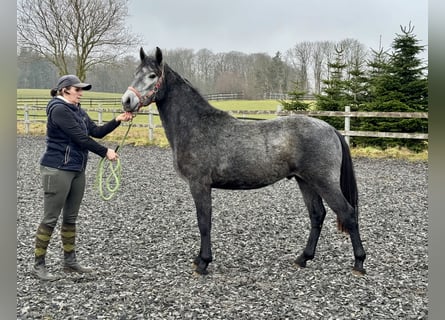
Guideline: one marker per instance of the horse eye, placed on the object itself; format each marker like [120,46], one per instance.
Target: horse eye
[152,76]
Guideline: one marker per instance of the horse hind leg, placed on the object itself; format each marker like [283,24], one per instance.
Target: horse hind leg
[317,214]
[347,219]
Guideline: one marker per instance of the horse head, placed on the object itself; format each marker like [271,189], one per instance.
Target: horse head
[148,79]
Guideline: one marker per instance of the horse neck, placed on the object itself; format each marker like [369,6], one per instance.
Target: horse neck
[178,91]
[182,108]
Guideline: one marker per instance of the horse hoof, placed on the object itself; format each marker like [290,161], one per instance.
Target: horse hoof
[358,272]
[199,272]
[300,263]
[299,266]
[196,261]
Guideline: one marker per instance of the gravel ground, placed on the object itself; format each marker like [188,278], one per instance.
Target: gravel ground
[142,243]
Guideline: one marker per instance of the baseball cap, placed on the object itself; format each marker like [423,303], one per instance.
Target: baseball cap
[71,80]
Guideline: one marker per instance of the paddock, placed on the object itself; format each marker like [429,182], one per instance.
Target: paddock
[143,241]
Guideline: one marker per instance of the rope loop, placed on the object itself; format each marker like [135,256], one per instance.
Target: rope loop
[108,175]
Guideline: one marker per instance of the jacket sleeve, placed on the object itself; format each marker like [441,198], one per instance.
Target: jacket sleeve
[66,121]
[100,131]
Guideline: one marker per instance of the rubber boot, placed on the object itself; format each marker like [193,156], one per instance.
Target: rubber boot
[43,236]
[68,234]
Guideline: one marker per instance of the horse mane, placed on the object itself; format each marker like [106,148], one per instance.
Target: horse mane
[193,91]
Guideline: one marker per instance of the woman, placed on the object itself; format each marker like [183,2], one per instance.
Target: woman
[69,132]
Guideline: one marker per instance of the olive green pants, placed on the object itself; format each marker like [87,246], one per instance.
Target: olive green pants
[63,192]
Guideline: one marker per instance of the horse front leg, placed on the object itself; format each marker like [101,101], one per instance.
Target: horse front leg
[203,202]
[317,214]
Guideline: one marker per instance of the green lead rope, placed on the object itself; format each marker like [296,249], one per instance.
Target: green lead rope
[108,175]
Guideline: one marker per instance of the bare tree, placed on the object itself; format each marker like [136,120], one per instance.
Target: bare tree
[320,59]
[79,32]
[205,69]
[354,54]
[181,60]
[300,57]
[317,59]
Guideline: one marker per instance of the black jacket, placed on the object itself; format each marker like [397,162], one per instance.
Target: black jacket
[68,136]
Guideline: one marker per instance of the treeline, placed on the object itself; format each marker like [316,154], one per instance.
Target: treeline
[255,75]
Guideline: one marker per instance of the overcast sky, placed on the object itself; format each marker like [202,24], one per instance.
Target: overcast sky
[252,26]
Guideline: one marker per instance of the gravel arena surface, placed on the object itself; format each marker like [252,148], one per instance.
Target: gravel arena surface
[142,243]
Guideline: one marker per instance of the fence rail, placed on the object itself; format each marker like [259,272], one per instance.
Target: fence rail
[224,96]
[264,96]
[29,117]
[116,102]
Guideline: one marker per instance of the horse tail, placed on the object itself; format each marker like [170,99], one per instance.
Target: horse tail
[348,182]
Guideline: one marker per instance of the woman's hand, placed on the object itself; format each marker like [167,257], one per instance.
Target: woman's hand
[111,155]
[126,116]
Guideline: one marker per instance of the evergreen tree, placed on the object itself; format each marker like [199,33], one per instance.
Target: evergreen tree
[276,71]
[408,71]
[334,95]
[398,83]
[358,86]
[357,93]
[377,74]
[296,102]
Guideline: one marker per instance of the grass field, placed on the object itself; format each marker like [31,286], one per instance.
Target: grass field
[139,136]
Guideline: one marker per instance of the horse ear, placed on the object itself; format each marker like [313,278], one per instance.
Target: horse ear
[158,55]
[142,54]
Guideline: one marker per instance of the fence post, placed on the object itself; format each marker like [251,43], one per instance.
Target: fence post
[99,115]
[347,124]
[150,123]
[27,122]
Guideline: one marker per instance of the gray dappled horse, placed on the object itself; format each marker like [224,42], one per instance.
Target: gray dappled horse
[212,149]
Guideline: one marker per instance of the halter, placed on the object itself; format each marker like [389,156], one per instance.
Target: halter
[151,94]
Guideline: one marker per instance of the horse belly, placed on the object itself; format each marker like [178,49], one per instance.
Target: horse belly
[250,173]
[242,184]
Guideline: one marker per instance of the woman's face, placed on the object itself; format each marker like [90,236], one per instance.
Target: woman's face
[73,94]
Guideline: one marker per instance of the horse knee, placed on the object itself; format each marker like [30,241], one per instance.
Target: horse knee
[317,219]
[317,215]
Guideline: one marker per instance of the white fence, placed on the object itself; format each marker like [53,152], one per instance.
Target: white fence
[264,96]
[30,116]
[348,114]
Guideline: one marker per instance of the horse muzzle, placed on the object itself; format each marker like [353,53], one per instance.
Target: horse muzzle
[132,100]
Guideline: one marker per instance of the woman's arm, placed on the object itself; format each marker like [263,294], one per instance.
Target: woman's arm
[67,122]
[101,131]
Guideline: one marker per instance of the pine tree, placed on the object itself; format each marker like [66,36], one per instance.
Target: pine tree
[398,83]
[377,74]
[296,101]
[334,96]
[408,71]
[276,71]
[357,87]
[357,93]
